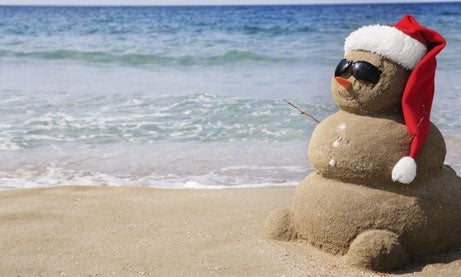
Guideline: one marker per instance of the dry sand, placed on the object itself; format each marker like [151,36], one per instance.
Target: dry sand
[145,231]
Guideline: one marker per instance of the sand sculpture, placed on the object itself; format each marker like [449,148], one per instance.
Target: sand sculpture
[380,194]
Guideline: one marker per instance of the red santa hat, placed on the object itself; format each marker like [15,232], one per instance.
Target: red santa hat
[414,47]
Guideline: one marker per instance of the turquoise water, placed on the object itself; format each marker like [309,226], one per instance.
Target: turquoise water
[184,96]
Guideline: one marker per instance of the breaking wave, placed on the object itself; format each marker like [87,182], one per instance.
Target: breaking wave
[229,57]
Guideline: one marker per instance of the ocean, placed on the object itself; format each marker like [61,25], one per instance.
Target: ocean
[185,97]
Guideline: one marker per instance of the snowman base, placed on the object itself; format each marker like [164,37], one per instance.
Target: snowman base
[379,228]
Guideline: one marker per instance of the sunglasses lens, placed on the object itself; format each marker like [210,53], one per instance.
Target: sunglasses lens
[342,67]
[366,71]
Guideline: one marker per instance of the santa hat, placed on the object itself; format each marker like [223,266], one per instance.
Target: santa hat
[414,47]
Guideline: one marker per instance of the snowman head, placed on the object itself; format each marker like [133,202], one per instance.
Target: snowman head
[367,83]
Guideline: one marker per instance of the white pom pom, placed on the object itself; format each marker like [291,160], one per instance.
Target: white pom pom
[404,170]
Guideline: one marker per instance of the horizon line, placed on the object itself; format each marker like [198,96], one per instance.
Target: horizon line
[224,4]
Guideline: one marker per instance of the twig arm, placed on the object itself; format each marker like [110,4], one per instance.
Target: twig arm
[301,111]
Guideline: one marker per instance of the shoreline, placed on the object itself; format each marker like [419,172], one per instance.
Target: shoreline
[82,230]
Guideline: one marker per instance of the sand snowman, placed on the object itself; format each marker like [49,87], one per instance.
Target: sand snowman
[380,193]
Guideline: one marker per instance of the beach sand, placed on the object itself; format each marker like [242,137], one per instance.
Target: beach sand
[79,230]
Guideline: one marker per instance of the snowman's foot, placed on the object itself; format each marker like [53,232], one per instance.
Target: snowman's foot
[377,250]
[278,225]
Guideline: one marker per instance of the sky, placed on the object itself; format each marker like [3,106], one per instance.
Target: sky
[195,2]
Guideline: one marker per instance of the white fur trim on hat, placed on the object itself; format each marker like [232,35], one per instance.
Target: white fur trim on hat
[387,41]
[404,170]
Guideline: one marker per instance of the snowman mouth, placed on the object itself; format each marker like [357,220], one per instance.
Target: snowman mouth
[348,95]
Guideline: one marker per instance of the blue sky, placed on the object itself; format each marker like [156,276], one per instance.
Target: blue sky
[193,2]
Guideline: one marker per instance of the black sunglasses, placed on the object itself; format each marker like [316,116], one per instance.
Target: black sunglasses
[361,70]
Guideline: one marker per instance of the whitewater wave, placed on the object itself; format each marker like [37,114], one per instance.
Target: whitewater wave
[190,117]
